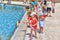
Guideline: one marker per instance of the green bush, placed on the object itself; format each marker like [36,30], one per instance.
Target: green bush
[15,0]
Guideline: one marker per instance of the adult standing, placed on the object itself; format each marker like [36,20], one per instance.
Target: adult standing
[49,6]
[54,1]
[44,6]
[33,3]
[39,7]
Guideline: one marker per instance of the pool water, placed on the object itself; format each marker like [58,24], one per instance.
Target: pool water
[9,15]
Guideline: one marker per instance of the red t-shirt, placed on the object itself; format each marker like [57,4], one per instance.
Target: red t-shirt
[37,7]
[45,15]
[34,23]
[30,18]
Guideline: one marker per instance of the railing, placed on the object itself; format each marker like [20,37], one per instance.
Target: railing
[15,3]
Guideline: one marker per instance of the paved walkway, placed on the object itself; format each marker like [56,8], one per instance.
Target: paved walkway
[51,31]
[20,31]
[53,25]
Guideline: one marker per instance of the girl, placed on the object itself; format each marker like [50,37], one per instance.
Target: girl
[33,24]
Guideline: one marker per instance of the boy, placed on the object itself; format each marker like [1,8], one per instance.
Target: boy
[41,23]
[28,15]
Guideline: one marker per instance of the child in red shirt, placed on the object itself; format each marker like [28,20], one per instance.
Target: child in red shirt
[33,23]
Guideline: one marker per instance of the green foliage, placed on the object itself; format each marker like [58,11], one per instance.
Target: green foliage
[15,0]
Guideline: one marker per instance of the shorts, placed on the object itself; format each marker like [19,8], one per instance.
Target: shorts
[48,9]
[41,23]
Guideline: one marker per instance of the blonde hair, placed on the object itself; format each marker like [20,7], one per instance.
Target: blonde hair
[29,13]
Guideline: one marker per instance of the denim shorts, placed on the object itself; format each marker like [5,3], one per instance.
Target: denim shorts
[42,24]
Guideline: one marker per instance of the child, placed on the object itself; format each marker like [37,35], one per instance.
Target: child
[38,7]
[31,6]
[41,23]
[43,6]
[33,24]
[28,15]
[27,9]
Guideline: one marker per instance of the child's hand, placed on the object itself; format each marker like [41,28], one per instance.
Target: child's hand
[25,22]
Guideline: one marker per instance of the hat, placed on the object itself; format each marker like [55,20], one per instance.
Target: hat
[33,13]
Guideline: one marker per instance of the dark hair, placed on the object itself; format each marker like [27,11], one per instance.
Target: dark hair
[45,2]
[27,7]
[31,4]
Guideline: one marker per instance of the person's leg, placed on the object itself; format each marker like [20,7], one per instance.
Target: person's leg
[53,10]
[31,35]
[54,3]
[41,29]
[49,13]
[35,33]
[3,0]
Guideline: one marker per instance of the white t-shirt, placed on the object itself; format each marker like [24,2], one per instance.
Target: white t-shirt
[39,11]
[39,4]
[49,4]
